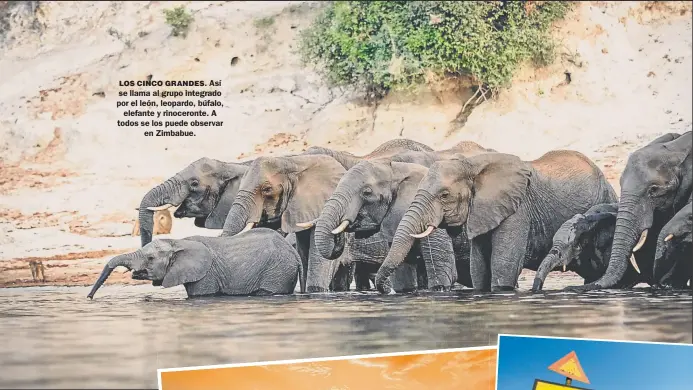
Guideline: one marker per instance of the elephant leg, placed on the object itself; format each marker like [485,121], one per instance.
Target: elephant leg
[342,278]
[439,259]
[421,274]
[320,271]
[362,276]
[303,240]
[508,251]
[479,262]
[461,249]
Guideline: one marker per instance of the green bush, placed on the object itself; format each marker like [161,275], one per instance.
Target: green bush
[377,46]
[179,19]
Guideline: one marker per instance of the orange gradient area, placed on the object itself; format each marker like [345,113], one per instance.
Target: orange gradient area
[474,369]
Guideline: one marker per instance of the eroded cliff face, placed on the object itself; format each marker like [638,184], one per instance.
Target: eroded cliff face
[71,178]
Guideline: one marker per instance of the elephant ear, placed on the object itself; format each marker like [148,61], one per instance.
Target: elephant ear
[313,181]
[216,219]
[189,262]
[405,182]
[500,185]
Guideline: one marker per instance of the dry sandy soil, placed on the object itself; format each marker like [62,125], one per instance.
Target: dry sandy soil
[70,179]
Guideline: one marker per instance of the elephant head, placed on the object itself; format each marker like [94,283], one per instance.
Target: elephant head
[673,245]
[204,190]
[479,192]
[279,192]
[655,184]
[166,263]
[578,235]
[372,196]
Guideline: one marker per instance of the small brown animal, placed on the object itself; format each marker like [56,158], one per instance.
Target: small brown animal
[37,270]
[162,223]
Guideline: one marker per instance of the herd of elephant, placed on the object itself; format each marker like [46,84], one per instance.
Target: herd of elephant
[406,217]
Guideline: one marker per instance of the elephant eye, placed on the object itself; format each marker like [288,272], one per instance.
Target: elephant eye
[194,183]
[367,191]
[266,190]
[444,195]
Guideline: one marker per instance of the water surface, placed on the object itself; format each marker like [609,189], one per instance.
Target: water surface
[53,337]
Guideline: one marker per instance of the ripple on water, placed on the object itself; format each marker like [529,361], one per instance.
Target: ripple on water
[56,337]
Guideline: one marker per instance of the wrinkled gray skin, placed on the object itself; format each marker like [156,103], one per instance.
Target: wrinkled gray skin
[387,149]
[673,262]
[655,184]
[204,190]
[511,209]
[363,250]
[278,193]
[260,262]
[582,245]
[372,197]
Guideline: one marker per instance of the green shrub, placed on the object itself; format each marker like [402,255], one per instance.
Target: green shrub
[263,23]
[376,46]
[179,19]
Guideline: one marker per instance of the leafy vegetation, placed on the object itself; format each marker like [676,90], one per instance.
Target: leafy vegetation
[262,23]
[179,19]
[377,46]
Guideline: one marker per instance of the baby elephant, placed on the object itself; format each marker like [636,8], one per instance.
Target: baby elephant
[672,264]
[257,262]
[582,245]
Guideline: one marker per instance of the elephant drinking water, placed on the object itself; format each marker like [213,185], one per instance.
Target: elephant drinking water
[655,184]
[261,262]
[511,209]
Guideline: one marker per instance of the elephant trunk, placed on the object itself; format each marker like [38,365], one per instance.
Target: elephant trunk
[420,216]
[550,262]
[125,260]
[244,213]
[334,219]
[172,192]
[632,222]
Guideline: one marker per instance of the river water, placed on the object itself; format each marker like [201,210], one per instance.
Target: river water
[53,337]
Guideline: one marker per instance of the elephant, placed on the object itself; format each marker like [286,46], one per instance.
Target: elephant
[510,209]
[260,262]
[204,190]
[365,252]
[370,200]
[672,261]
[655,184]
[582,245]
[278,193]
[163,222]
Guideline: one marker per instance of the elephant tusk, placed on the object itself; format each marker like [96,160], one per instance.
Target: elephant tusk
[247,227]
[635,265]
[563,267]
[426,232]
[159,208]
[341,227]
[669,237]
[641,242]
[306,224]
